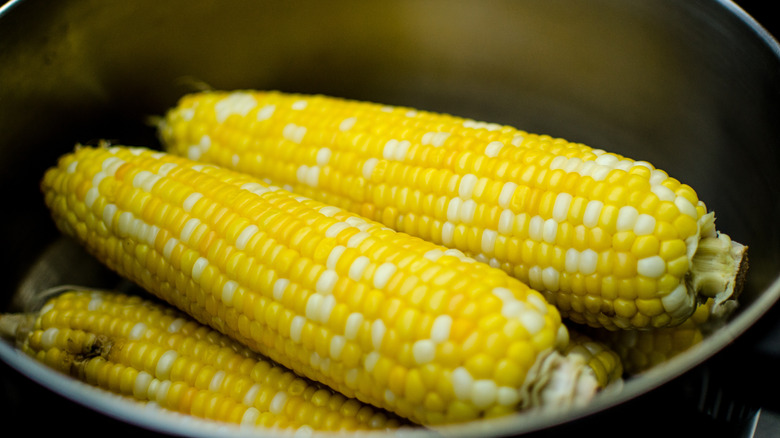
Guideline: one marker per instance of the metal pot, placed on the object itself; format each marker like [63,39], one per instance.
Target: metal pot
[689,86]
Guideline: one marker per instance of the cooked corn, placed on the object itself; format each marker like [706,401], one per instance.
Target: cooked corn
[151,353]
[610,241]
[387,318]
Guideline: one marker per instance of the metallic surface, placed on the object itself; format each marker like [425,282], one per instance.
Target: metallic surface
[690,86]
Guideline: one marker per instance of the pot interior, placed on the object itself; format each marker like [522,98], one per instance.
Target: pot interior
[689,86]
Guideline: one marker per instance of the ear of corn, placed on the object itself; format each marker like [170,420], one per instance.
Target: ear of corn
[148,352]
[612,242]
[381,316]
[641,350]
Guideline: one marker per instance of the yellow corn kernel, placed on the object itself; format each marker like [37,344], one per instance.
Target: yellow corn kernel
[494,192]
[645,246]
[330,317]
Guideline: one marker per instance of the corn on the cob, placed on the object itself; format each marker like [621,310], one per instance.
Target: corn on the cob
[641,350]
[149,352]
[610,241]
[382,316]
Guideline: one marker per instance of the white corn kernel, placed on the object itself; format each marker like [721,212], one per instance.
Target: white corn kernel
[347,124]
[627,217]
[354,322]
[561,206]
[645,224]
[651,267]
[265,112]
[423,351]
[493,148]
[236,103]
[327,281]
[466,186]
[507,192]
[383,274]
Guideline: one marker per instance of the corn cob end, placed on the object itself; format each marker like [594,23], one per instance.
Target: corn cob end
[14,326]
[719,265]
[569,382]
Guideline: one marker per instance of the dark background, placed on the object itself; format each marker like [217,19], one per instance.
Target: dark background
[672,410]
[764,11]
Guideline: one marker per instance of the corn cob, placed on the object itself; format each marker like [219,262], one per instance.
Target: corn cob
[611,242]
[390,319]
[642,350]
[151,353]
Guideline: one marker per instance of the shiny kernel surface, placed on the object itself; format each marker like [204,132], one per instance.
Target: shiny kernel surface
[326,310]
[490,191]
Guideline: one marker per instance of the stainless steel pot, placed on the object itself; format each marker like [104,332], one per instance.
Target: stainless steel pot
[691,86]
